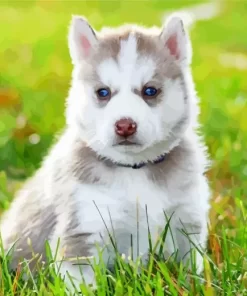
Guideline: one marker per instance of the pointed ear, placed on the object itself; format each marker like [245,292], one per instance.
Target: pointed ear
[176,40]
[82,39]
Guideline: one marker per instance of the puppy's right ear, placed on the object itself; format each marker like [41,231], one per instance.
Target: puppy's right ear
[176,39]
[82,39]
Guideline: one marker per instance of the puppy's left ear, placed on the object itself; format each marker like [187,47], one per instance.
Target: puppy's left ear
[176,39]
[82,39]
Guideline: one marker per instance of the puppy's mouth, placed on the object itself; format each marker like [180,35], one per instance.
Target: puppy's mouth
[127,143]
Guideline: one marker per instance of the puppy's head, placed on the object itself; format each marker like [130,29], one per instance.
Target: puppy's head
[131,88]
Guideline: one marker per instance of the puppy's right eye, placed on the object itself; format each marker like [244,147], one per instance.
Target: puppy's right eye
[150,92]
[103,94]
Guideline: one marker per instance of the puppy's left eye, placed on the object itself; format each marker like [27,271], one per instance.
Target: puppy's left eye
[150,92]
[103,94]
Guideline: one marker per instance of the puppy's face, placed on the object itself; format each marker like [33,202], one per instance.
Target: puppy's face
[128,92]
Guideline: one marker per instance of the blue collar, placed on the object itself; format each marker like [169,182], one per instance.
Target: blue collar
[159,159]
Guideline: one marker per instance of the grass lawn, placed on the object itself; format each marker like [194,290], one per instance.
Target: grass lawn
[35,73]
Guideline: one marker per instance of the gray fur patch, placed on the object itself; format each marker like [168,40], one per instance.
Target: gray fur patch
[32,222]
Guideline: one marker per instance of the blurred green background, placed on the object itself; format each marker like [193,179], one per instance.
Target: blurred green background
[35,72]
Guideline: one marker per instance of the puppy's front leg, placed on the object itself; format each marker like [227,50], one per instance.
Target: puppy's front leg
[74,261]
[189,226]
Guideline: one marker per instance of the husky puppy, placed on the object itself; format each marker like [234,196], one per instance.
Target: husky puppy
[130,150]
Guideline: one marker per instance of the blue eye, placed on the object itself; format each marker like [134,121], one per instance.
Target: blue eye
[150,92]
[103,93]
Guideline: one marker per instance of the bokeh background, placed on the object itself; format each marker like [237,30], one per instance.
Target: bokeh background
[35,71]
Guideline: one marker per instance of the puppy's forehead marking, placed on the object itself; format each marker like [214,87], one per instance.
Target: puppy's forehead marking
[128,55]
[130,68]
[129,58]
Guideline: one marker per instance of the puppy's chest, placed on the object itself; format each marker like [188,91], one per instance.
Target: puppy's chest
[127,200]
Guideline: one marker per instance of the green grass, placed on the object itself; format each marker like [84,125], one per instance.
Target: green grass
[35,71]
